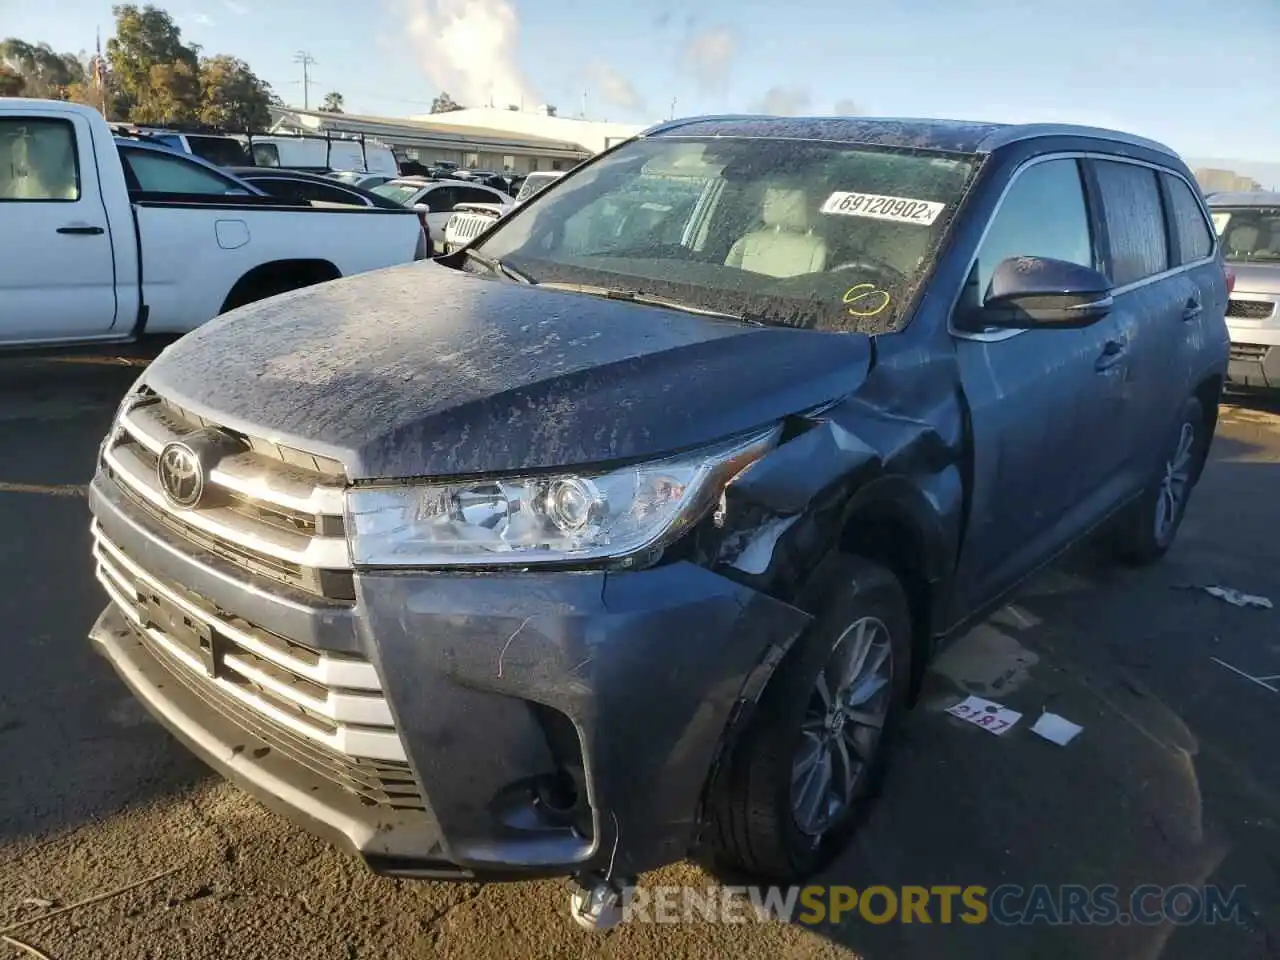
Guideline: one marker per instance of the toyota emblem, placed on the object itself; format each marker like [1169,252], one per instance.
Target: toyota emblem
[181,474]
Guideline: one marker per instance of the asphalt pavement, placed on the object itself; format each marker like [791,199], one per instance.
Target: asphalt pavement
[1175,778]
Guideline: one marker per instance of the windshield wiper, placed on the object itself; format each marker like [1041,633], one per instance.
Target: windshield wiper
[651,300]
[497,266]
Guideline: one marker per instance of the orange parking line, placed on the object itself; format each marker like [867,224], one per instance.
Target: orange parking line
[102,361]
[48,489]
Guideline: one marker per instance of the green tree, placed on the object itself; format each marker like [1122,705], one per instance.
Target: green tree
[444,104]
[333,102]
[45,72]
[231,96]
[12,83]
[157,76]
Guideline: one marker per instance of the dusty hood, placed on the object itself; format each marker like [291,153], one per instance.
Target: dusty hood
[425,371]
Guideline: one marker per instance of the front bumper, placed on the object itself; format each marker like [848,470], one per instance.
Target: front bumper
[1255,346]
[512,694]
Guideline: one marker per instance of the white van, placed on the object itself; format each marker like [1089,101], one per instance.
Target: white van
[317,153]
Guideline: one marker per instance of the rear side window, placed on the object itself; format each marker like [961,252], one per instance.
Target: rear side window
[1195,241]
[1135,220]
[1043,214]
[266,155]
[38,160]
[165,173]
[475,195]
[444,199]
[307,190]
[224,151]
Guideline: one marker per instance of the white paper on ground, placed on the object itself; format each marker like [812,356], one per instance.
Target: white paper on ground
[986,714]
[1236,598]
[1056,729]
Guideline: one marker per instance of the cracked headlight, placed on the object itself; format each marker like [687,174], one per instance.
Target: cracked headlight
[543,519]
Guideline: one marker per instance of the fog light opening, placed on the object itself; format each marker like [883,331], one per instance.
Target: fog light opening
[557,795]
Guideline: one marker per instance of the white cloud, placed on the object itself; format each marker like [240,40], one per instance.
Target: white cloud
[239,9]
[612,87]
[709,55]
[784,101]
[468,48]
[203,19]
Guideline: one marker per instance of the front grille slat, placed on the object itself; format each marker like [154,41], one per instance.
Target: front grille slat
[271,515]
[1250,309]
[342,731]
[1249,351]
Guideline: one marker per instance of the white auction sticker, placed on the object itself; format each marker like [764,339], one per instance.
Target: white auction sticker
[985,714]
[877,207]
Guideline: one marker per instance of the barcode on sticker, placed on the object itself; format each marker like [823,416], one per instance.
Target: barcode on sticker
[878,207]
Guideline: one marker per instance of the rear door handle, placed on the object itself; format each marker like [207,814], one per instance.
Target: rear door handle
[1192,308]
[84,231]
[1113,353]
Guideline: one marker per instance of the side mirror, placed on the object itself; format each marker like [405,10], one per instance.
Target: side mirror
[1040,292]
[421,208]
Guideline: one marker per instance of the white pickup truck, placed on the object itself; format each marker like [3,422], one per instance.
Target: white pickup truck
[106,239]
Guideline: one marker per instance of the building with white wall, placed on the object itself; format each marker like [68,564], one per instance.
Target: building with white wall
[430,140]
[592,135]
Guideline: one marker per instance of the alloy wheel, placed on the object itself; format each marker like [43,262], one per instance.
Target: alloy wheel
[1176,483]
[842,725]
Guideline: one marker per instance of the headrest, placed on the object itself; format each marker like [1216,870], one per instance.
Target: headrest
[785,209]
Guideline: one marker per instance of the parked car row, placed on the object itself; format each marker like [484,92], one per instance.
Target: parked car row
[435,200]
[472,219]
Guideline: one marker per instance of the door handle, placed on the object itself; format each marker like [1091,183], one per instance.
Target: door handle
[84,231]
[1192,308]
[1113,353]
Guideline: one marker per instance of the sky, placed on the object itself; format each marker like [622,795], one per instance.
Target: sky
[1203,78]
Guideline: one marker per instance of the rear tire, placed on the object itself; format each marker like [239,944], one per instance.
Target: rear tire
[761,808]
[1149,525]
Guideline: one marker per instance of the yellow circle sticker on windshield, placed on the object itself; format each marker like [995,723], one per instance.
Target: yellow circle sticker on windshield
[865,300]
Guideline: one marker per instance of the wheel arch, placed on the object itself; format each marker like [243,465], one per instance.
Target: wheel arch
[890,521]
[278,276]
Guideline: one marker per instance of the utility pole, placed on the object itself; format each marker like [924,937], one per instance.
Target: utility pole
[673,109]
[306,60]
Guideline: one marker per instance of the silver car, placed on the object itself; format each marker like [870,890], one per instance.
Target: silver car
[1249,225]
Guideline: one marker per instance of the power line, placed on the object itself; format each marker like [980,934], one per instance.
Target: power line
[306,60]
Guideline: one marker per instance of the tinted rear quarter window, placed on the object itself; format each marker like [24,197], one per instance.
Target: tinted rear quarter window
[1135,220]
[1195,241]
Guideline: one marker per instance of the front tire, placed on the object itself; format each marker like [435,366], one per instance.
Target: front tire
[797,778]
[1149,525]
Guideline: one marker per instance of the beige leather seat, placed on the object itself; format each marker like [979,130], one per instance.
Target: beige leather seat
[787,246]
[1242,239]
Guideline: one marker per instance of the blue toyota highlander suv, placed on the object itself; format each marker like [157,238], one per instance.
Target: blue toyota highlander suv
[624,533]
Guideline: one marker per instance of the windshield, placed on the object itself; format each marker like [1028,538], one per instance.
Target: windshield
[401,193]
[533,183]
[798,233]
[1248,233]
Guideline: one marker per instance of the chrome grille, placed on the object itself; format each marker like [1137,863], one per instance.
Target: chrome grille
[278,512]
[465,227]
[1250,309]
[321,709]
